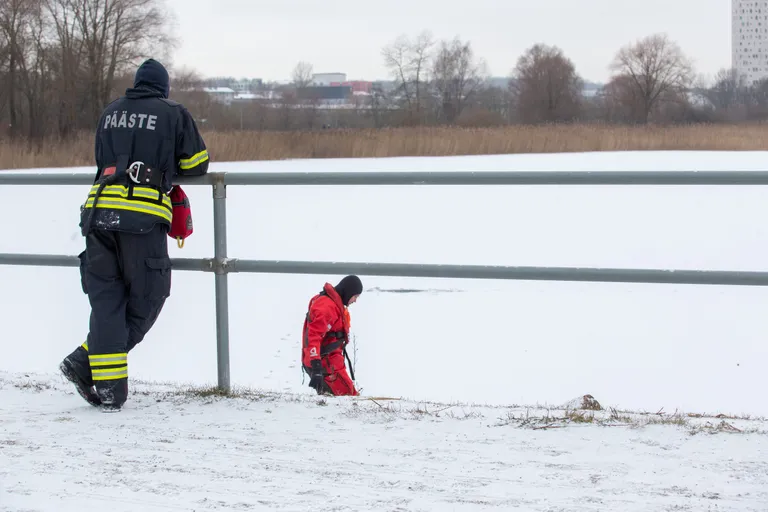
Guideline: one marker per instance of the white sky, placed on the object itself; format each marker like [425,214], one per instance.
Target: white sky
[265,39]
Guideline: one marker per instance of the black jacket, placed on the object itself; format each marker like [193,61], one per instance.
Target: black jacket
[142,126]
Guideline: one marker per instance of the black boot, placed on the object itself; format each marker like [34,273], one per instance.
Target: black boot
[112,394]
[76,369]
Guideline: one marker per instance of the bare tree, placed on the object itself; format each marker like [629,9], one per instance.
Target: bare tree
[729,95]
[186,79]
[66,55]
[116,35]
[15,17]
[36,75]
[757,101]
[188,88]
[545,86]
[407,61]
[302,75]
[307,102]
[654,66]
[496,102]
[457,76]
[286,109]
[619,101]
[727,87]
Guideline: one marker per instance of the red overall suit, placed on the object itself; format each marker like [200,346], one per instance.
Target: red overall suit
[325,333]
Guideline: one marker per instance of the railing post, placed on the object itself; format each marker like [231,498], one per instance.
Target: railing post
[220,270]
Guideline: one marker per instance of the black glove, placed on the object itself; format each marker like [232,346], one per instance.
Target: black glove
[316,378]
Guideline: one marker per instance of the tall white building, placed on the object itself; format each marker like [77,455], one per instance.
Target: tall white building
[749,39]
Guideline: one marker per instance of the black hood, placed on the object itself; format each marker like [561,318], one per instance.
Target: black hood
[151,80]
[348,288]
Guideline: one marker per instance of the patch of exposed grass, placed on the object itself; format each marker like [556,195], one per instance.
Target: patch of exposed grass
[393,409]
[216,392]
[579,417]
[32,385]
[721,427]
[550,419]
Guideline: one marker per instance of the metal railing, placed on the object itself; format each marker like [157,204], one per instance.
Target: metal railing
[221,265]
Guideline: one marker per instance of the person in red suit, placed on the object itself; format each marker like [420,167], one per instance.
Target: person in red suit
[325,335]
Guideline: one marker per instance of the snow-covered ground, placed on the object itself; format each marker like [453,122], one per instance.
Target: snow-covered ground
[691,349]
[171,451]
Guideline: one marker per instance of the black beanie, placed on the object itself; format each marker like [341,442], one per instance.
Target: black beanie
[154,75]
[348,288]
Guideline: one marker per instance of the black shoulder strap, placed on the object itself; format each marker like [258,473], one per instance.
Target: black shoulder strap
[351,370]
[122,163]
[121,169]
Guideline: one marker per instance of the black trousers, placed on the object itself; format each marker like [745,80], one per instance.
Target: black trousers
[127,277]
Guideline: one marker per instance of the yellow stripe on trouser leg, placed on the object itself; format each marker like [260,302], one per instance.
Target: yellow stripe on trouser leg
[101,374]
[107,359]
[109,366]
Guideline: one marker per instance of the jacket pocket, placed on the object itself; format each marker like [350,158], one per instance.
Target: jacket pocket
[158,278]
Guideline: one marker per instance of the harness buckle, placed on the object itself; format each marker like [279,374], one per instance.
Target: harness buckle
[140,174]
[134,170]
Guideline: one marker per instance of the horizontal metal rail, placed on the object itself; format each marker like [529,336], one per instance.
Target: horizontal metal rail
[583,274]
[612,275]
[221,265]
[426,178]
[59,260]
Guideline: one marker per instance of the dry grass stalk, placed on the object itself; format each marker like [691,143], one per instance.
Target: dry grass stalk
[440,141]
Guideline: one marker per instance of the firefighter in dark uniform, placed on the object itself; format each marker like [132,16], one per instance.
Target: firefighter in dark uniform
[143,140]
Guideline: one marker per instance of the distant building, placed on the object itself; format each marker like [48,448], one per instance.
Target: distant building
[246,85]
[325,93]
[356,85]
[239,85]
[221,94]
[326,79]
[263,95]
[749,39]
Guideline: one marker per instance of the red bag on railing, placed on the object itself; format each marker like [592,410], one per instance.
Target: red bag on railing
[181,225]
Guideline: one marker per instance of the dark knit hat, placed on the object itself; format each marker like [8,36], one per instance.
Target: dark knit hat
[348,288]
[152,74]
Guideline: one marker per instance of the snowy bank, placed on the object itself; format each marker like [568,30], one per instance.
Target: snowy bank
[179,448]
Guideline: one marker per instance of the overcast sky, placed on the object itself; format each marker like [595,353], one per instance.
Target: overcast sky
[266,38]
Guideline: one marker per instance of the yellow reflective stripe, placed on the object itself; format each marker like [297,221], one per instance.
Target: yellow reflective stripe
[95,364]
[108,356]
[122,191]
[188,163]
[104,371]
[110,373]
[120,357]
[85,345]
[134,206]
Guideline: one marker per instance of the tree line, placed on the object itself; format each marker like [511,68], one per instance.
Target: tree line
[446,83]
[652,81]
[62,61]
